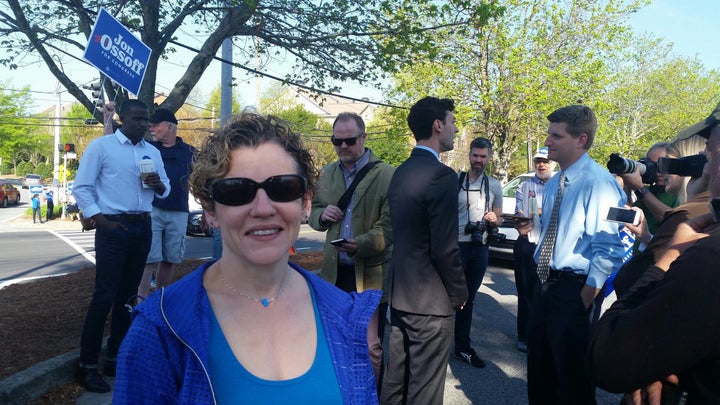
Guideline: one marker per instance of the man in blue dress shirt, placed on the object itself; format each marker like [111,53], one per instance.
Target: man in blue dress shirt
[586,250]
[117,201]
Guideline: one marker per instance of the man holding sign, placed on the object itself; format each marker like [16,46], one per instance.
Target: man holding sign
[117,53]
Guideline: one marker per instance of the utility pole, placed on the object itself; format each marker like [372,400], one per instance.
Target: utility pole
[56,154]
[226,82]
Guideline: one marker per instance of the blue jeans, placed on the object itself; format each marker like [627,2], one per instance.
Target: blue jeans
[475,261]
[120,259]
[36,211]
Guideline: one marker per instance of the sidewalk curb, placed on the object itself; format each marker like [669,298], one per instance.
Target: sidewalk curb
[33,382]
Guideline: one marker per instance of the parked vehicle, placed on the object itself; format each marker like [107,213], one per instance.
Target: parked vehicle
[31,180]
[9,194]
[196,225]
[504,249]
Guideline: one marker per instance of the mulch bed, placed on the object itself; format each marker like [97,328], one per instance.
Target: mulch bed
[43,319]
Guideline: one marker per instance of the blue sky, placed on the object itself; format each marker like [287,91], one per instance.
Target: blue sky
[691,25]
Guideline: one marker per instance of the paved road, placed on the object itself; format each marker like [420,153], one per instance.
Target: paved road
[30,250]
[503,380]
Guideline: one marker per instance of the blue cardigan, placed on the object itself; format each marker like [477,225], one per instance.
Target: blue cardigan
[164,356]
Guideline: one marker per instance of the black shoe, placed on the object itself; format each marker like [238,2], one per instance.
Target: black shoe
[109,368]
[470,357]
[91,380]
[522,346]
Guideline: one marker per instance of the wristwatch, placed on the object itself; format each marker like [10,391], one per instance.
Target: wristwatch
[640,193]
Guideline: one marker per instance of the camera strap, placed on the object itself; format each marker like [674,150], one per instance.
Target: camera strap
[483,183]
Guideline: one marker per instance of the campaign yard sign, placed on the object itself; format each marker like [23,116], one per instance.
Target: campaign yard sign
[117,53]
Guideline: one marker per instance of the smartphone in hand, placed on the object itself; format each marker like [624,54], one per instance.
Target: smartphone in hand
[623,215]
[338,242]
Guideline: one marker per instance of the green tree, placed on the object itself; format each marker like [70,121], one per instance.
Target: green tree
[213,104]
[315,132]
[79,128]
[19,138]
[336,40]
[653,95]
[389,136]
[508,74]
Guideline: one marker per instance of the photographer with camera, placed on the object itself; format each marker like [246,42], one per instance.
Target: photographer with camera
[655,243]
[479,214]
[643,180]
[652,199]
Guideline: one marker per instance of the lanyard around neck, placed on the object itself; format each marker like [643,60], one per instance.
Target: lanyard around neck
[484,182]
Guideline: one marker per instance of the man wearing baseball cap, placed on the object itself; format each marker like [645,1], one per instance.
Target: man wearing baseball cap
[703,127]
[528,203]
[169,215]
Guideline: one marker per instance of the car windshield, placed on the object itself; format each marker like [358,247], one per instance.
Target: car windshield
[510,187]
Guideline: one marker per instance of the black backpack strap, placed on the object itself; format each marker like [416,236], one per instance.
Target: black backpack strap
[461,179]
[345,199]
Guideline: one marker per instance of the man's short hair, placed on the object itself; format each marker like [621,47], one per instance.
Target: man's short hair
[481,143]
[658,145]
[424,113]
[350,116]
[129,104]
[580,119]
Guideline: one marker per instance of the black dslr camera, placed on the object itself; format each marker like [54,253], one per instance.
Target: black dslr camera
[620,165]
[688,166]
[484,233]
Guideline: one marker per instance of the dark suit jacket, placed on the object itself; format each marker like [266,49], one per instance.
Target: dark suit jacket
[634,268]
[427,274]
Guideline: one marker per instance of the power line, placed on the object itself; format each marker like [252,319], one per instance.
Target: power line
[257,72]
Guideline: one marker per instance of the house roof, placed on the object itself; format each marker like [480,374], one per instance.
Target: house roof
[328,106]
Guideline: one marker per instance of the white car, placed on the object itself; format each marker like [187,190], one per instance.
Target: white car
[504,249]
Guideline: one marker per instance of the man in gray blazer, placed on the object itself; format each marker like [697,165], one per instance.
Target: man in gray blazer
[427,282]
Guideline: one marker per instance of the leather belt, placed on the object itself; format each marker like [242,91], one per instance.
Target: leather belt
[565,274]
[139,217]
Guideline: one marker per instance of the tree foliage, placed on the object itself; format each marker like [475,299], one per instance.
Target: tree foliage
[653,95]
[19,138]
[508,74]
[213,104]
[320,41]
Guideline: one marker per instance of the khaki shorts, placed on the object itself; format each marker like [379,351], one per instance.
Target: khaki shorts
[168,236]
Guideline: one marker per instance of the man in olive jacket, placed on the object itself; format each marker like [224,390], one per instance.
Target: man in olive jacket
[359,262]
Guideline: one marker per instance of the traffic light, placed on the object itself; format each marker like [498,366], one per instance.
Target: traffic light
[69,147]
[96,93]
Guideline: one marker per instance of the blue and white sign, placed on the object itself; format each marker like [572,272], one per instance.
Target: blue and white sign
[36,189]
[117,53]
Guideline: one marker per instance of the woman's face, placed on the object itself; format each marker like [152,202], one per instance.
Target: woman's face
[262,231]
[673,182]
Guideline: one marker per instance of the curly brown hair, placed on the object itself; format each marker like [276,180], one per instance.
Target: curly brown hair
[247,130]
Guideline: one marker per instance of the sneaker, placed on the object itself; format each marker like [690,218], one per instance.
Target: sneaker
[89,379]
[470,357]
[522,346]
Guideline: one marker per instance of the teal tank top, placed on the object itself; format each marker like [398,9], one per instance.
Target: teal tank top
[233,384]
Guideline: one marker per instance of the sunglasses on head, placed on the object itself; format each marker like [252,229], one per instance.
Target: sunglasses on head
[236,191]
[348,141]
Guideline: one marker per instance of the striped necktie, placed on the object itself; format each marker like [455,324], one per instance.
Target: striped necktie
[548,242]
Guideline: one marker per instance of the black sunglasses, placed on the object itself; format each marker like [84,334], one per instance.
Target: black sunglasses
[236,191]
[348,141]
